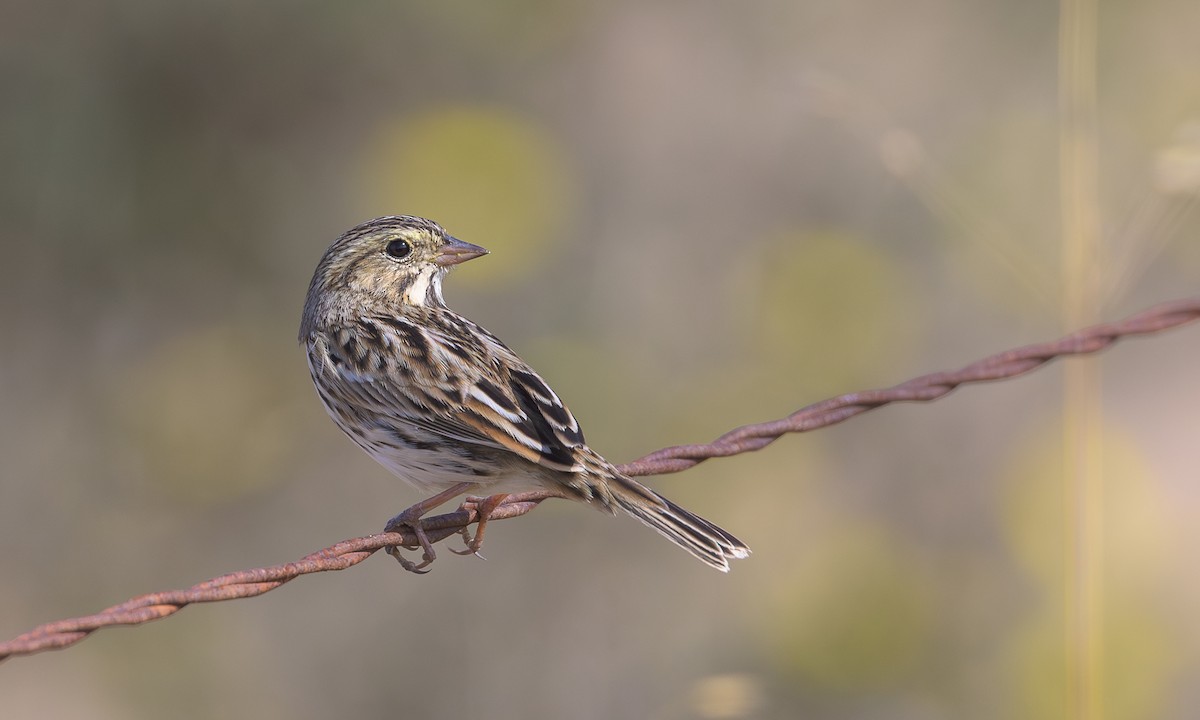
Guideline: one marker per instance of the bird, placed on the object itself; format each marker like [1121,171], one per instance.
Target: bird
[444,404]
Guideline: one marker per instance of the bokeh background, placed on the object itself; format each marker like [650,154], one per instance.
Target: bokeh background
[701,214]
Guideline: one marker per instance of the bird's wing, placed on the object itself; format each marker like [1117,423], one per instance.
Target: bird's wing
[508,403]
[465,386]
[518,411]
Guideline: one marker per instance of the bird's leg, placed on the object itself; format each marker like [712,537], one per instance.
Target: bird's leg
[483,507]
[470,502]
[411,518]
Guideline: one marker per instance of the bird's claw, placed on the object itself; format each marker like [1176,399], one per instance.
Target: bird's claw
[406,520]
[410,520]
[407,564]
[483,508]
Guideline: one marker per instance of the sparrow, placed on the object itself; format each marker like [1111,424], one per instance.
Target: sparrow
[444,404]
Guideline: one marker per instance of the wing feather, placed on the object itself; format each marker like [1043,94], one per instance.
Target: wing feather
[480,392]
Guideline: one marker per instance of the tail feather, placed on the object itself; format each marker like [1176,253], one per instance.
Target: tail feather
[709,543]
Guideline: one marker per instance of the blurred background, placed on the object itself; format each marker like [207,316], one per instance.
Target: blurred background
[701,214]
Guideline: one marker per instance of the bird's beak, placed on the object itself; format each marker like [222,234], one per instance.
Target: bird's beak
[456,251]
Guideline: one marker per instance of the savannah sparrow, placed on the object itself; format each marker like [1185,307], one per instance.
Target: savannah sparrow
[444,404]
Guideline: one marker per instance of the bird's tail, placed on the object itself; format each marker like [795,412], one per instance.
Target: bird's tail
[709,543]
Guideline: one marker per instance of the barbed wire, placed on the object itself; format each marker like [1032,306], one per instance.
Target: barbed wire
[249,583]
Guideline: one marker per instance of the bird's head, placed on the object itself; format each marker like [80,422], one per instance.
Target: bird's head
[385,263]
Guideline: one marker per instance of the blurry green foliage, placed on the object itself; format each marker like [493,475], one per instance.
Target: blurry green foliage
[206,416]
[856,617]
[1137,649]
[827,305]
[488,175]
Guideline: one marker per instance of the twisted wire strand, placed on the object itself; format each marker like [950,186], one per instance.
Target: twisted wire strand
[925,388]
[249,583]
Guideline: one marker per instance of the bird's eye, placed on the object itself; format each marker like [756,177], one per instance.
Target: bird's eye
[399,249]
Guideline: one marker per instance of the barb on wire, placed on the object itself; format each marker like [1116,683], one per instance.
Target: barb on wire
[248,583]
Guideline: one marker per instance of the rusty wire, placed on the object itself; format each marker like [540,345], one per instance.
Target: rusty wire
[248,583]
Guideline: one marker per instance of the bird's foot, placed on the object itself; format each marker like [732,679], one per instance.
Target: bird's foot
[411,519]
[483,507]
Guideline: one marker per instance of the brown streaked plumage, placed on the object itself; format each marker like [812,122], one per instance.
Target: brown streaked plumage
[443,403]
